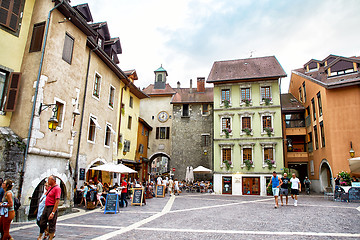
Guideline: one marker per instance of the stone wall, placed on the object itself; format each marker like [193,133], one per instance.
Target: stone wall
[11,157]
[187,147]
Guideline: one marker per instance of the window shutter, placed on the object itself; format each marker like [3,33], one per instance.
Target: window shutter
[9,13]
[167,132]
[37,37]
[68,48]
[13,92]
[157,132]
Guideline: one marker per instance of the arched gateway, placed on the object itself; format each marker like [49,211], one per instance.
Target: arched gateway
[159,164]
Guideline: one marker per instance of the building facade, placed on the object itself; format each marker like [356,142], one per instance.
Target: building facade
[68,102]
[142,149]
[247,124]
[192,128]
[329,91]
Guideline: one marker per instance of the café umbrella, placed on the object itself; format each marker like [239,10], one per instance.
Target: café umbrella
[116,168]
[191,174]
[201,169]
[187,174]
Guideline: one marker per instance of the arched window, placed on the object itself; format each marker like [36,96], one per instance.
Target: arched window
[159,78]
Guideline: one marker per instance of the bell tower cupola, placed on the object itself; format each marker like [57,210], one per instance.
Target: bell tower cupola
[160,78]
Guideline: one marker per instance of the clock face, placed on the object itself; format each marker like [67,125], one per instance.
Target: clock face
[163,116]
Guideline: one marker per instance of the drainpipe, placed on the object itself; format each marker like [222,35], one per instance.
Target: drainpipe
[35,97]
[82,115]
[121,100]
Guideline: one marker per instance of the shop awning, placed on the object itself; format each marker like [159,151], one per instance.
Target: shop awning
[116,168]
[354,164]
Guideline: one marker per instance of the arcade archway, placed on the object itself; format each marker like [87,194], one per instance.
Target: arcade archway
[325,175]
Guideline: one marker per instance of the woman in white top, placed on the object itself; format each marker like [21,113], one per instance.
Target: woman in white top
[176,186]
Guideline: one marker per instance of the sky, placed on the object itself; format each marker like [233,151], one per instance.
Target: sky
[187,36]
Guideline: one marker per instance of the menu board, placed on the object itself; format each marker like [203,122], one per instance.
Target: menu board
[137,196]
[354,194]
[160,191]
[111,205]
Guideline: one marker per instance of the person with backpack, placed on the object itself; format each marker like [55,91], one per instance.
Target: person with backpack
[41,207]
[51,208]
[7,210]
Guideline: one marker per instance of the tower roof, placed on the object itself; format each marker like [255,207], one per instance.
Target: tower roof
[161,69]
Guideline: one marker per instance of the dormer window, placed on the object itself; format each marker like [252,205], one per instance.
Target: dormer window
[159,78]
[341,68]
[100,42]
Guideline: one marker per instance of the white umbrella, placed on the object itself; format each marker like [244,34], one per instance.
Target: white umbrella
[117,168]
[187,174]
[191,174]
[201,169]
[354,164]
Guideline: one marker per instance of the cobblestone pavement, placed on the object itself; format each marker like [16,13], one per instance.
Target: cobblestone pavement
[205,216]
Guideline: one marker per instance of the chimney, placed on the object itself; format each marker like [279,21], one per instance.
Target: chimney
[190,85]
[178,84]
[201,84]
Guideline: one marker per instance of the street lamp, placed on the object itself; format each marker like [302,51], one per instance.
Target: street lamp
[352,152]
[52,122]
[289,144]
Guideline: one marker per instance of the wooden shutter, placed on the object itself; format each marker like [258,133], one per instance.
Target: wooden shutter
[37,37]
[157,132]
[10,13]
[68,48]
[167,132]
[13,92]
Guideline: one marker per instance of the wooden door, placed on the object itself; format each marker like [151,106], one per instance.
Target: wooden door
[251,186]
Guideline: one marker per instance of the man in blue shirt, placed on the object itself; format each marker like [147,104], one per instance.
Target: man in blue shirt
[276,183]
[2,192]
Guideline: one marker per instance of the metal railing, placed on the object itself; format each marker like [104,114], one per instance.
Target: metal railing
[294,123]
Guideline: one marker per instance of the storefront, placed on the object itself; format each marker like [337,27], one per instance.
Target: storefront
[251,185]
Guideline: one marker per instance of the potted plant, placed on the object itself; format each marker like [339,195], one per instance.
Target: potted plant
[247,130]
[267,100]
[246,101]
[227,164]
[270,163]
[345,179]
[227,132]
[248,164]
[226,103]
[268,131]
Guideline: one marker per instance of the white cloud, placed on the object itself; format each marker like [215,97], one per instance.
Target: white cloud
[188,36]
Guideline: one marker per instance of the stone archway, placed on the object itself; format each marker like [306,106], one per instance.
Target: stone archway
[155,157]
[325,175]
[39,191]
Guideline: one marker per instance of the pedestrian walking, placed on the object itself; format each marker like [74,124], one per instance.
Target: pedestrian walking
[41,207]
[99,189]
[123,192]
[2,192]
[84,191]
[7,211]
[50,213]
[276,182]
[295,188]
[176,186]
[159,180]
[284,190]
[307,184]
[171,183]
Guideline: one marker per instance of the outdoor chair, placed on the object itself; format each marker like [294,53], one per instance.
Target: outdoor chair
[329,193]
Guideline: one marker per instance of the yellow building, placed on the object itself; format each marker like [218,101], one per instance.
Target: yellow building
[13,37]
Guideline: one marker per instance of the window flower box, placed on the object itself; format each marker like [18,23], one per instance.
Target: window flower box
[270,163]
[227,132]
[247,102]
[248,164]
[267,100]
[246,130]
[269,131]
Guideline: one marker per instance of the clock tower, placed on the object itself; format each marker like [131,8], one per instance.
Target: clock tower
[160,78]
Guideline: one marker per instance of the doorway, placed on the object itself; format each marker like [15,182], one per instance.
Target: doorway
[300,169]
[227,185]
[251,186]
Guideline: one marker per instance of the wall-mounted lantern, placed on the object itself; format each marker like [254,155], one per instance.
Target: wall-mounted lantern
[352,152]
[52,122]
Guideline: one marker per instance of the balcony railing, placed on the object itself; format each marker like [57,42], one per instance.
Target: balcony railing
[308,120]
[310,147]
[294,123]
